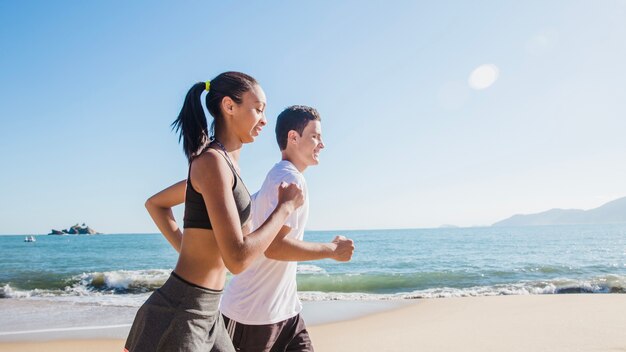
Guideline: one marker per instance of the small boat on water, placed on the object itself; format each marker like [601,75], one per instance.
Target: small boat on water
[30,239]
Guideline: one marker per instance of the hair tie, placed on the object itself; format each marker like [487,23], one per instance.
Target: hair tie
[207,85]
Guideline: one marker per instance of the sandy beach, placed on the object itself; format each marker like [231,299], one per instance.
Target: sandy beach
[501,323]
[594,322]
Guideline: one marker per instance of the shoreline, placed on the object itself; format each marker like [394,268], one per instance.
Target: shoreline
[573,322]
[47,320]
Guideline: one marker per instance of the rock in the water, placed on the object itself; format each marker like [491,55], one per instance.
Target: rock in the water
[76,230]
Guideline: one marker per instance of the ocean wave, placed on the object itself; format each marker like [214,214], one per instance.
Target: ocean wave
[603,284]
[6,291]
[385,282]
[314,283]
[95,284]
[121,281]
[310,269]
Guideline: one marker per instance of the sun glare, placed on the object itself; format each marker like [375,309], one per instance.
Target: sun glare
[483,76]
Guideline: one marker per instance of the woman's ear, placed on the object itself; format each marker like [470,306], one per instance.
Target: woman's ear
[228,105]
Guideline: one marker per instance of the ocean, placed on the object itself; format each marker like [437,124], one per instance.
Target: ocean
[122,269]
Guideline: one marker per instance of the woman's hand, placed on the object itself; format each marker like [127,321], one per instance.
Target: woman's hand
[160,206]
[290,195]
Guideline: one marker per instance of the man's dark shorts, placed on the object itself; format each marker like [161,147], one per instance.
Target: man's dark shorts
[285,336]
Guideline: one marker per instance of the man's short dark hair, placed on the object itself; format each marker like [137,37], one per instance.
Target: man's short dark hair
[295,118]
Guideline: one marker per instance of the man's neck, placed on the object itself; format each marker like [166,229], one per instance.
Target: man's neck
[300,166]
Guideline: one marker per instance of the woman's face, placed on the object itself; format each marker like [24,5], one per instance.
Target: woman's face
[249,116]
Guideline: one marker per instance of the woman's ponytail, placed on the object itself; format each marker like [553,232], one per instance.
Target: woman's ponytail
[191,123]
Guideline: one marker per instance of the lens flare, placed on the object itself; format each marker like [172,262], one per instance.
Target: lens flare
[483,76]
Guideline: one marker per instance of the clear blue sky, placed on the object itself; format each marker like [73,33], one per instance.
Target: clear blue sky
[89,90]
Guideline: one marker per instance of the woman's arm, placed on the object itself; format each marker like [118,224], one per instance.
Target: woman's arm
[213,179]
[160,209]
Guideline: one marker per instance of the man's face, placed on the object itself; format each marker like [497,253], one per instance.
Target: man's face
[310,144]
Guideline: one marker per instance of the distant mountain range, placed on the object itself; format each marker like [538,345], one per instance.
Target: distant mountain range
[609,213]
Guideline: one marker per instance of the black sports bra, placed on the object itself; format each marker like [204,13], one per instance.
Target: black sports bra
[196,215]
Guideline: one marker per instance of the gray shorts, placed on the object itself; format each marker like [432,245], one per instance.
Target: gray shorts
[179,316]
[285,336]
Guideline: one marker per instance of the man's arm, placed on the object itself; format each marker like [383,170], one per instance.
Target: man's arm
[289,249]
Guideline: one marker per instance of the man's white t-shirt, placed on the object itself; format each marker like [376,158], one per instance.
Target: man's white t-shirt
[266,292]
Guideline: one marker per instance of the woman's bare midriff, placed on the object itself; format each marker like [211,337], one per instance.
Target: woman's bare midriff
[200,261]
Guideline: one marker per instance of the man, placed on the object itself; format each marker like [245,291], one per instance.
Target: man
[260,306]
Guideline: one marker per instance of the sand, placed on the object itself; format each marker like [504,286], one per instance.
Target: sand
[503,323]
[595,322]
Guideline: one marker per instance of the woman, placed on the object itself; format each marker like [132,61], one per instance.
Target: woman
[183,314]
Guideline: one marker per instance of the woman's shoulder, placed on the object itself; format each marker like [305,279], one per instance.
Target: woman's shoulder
[209,163]
[209,155]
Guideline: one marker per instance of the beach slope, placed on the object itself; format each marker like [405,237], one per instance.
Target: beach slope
[502,323]
[575,322]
